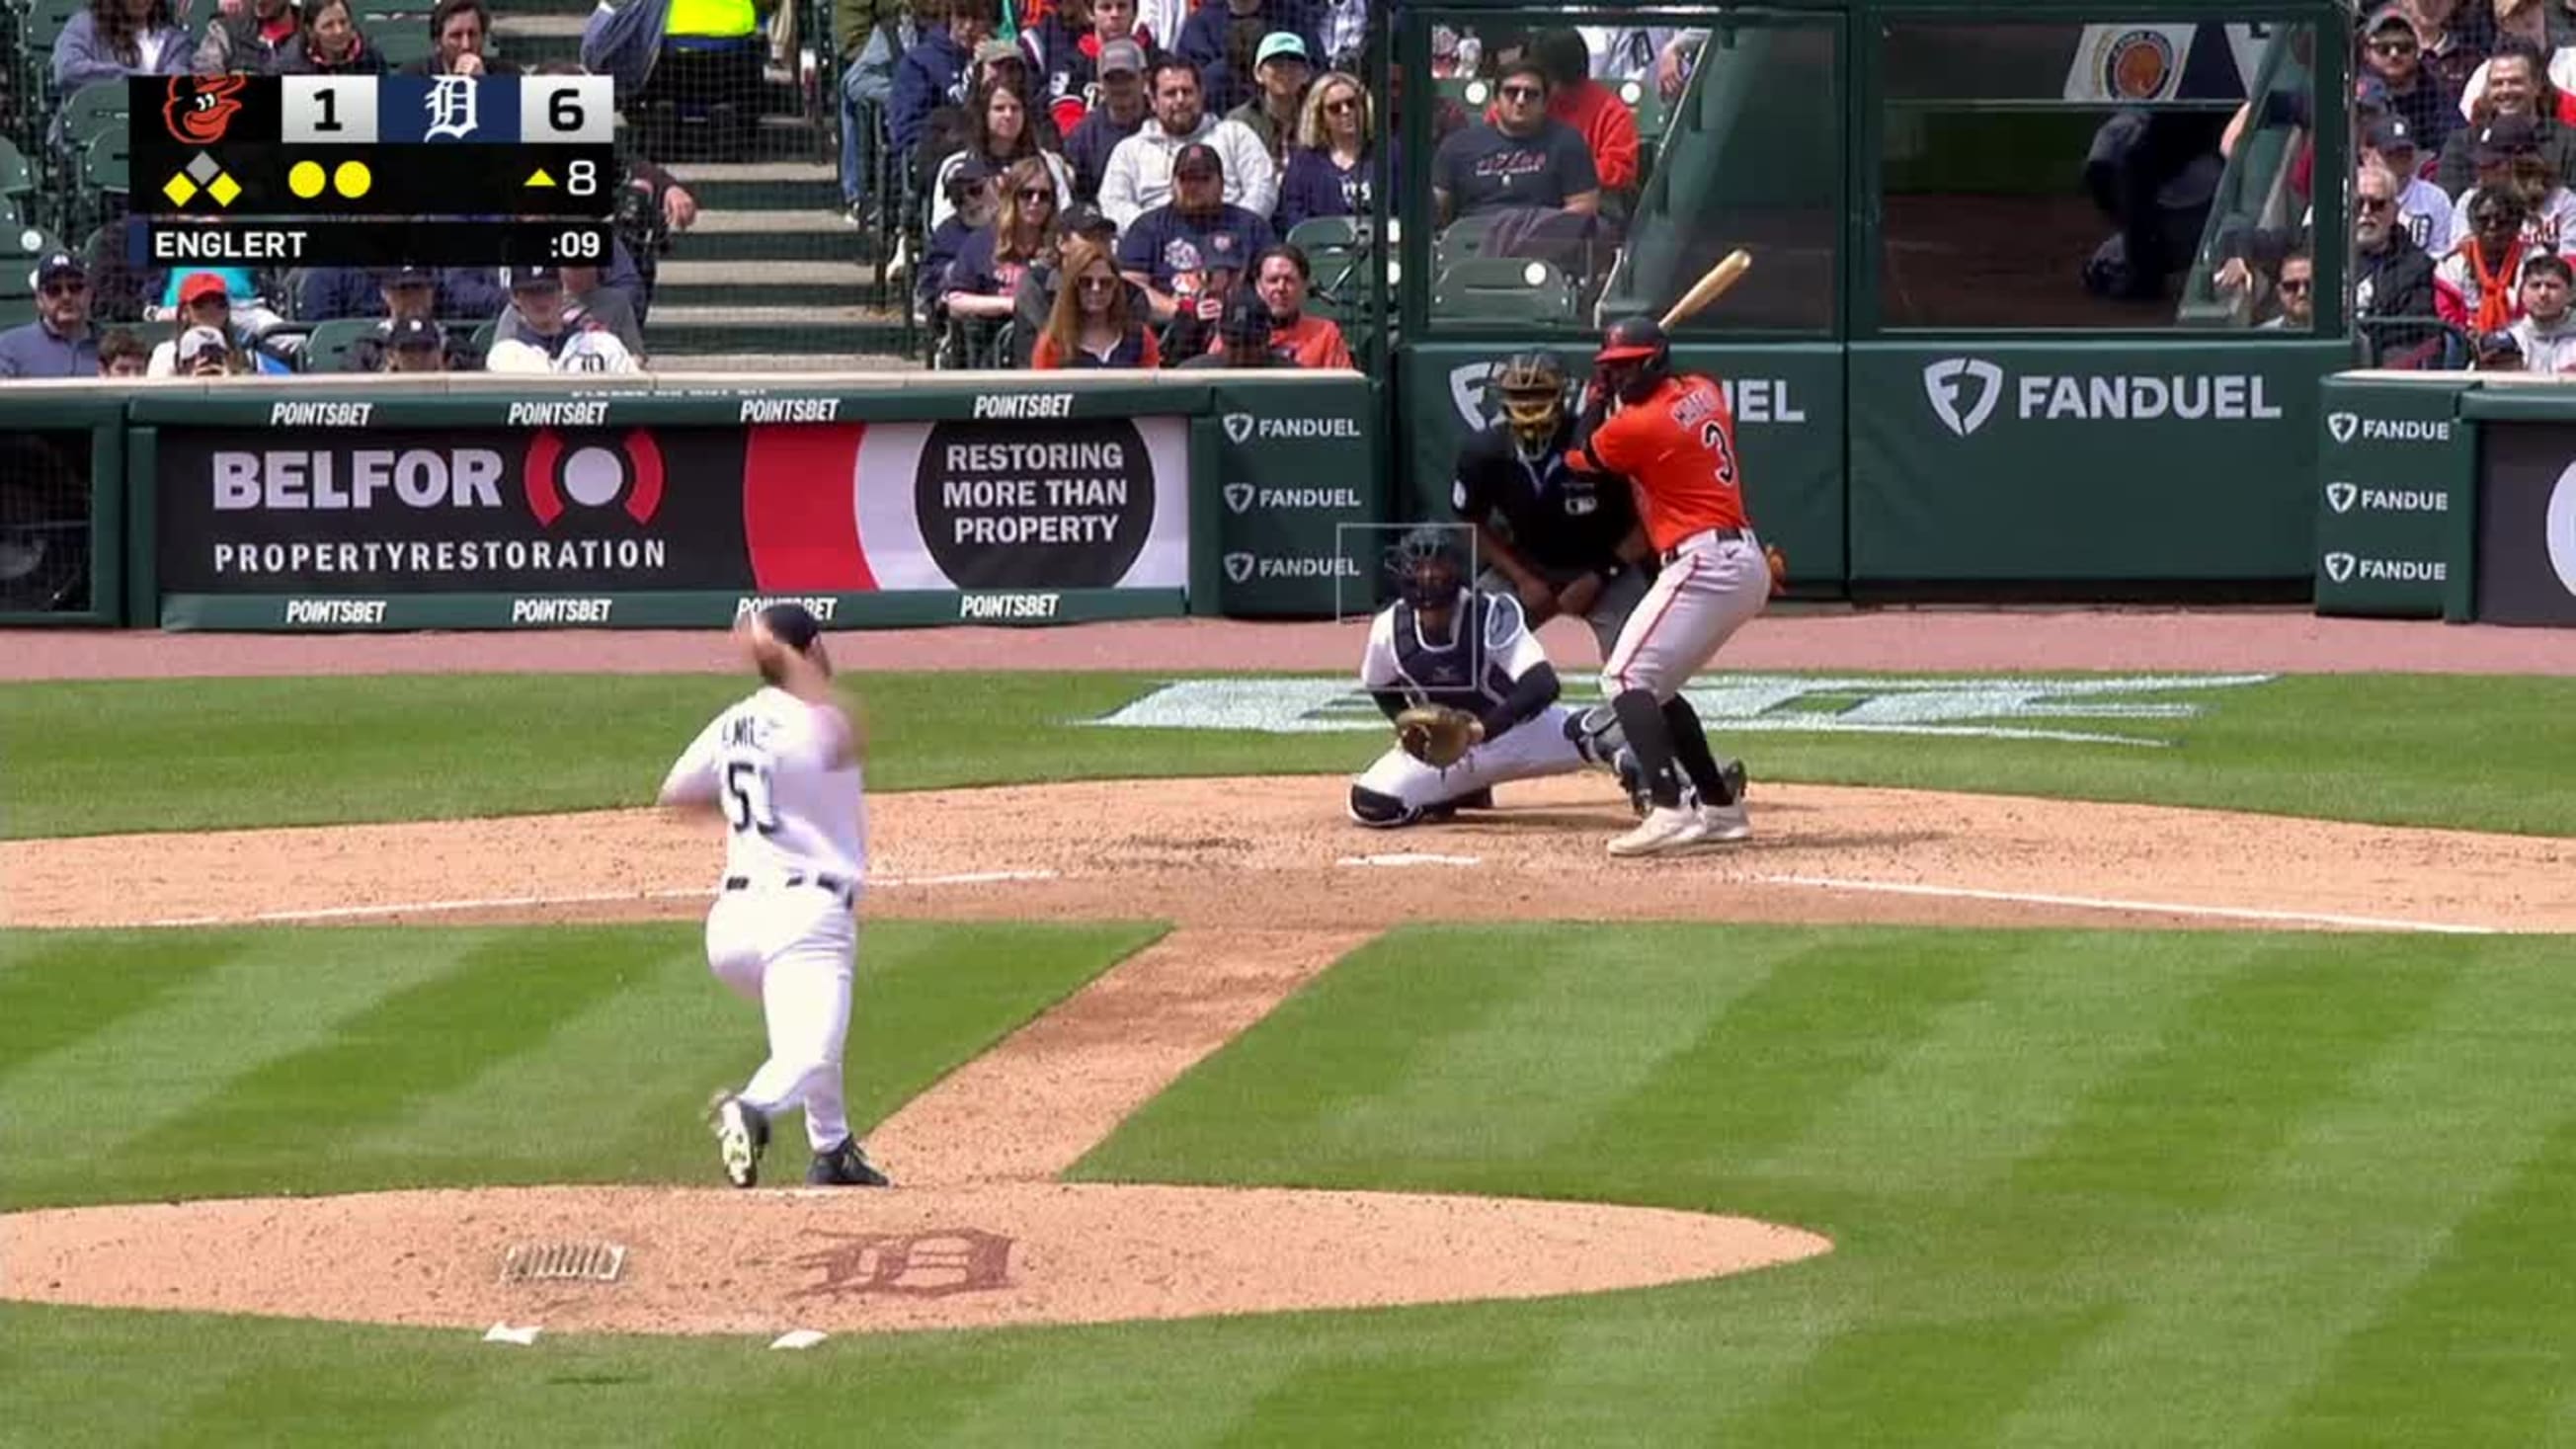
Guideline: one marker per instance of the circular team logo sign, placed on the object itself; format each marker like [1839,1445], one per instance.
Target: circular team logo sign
[2137,65]
[2559,527]
[1061,505]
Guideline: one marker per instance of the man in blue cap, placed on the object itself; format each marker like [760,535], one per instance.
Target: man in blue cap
[60,342]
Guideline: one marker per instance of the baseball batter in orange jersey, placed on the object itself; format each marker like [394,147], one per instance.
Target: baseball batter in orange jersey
[1673,438]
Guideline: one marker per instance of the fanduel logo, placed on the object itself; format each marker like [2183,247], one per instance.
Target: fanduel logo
[1944,381]
[2339,496]
[2339,566]
[1238,496]
[1238,566]
[1238,426]
[2342,426]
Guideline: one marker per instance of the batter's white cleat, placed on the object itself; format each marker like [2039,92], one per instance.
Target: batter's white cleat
[1665,827]
[1724,824]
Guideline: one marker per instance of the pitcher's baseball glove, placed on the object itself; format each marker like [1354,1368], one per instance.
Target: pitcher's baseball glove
[1437,735]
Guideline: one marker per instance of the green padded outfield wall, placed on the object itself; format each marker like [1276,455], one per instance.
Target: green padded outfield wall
[2396,500]
[62,504]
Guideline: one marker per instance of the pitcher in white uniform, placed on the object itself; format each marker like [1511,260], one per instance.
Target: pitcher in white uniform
[782,768]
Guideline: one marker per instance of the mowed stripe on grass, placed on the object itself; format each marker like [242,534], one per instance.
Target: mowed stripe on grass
[274,1061]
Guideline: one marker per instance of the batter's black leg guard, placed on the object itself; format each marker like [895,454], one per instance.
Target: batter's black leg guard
[1690,747]
[1380,812]
[1642,721]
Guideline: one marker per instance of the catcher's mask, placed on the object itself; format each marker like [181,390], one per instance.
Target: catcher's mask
[1532,385]
[1424,566]
[1635,358]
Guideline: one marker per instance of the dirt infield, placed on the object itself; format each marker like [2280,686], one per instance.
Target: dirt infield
[1267,885]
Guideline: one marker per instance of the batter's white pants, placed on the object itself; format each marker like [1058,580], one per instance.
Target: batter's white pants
[792,949]
[1711,588]
[1528,750]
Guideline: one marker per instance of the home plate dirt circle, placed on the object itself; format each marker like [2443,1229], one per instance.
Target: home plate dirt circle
[767,1261]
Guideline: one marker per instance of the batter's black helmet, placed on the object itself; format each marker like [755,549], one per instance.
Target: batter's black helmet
[1635,358]
[1424,566]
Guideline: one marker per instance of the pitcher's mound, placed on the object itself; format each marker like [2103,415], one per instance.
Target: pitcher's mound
[717,1261]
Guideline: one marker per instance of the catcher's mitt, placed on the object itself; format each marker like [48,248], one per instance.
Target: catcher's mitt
[1437,735]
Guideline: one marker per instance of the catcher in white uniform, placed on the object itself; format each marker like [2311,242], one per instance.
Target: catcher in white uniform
[782,767]
[1470,692]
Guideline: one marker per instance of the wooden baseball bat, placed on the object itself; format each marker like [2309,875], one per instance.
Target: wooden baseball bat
[1710,287]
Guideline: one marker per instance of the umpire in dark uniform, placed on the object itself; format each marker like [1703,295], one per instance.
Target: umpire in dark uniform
[1564,542]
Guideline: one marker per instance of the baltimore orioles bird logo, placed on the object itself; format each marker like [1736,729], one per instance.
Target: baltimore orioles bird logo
[200,108]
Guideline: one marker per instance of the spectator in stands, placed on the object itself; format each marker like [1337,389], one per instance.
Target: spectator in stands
[60,342]
[206,352]
[1523,158]
[2392,51]
[2421,207]
[1282,69]
[2515,87]
[205,304]
[1000,139]
[1044,276]
[1330,172]
[1094,323]
[2509,158]
[1673,63]
[933,73]
[1000,62]
[1593,110]
[1139,175]
[113,39]
[2474,287]
[249,39]
[2545,338]
[1223,39]
[1189,253]
[1117,115]
[1625,52]
[413,344]
[2392,277]
[2454,35]
[984,280]
[1342,25]
[587,301]
[409,294]
[549,336]
[1280,277]
[122,354]
[331,293]
[2295,284]
[870,49]
[1242,336]
[331,44]
[461,33]
[974,198]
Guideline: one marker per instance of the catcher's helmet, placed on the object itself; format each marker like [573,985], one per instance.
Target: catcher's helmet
[1424,566]
[1532,385]
[1635,358]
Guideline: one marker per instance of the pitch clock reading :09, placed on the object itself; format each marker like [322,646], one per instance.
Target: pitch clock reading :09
[578,246]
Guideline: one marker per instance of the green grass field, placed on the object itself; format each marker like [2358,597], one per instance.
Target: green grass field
[2392,749]
[2120,1188]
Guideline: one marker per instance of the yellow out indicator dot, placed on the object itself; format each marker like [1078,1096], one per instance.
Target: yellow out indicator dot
[353,178]
[305,179]
[224,189]
[179,190]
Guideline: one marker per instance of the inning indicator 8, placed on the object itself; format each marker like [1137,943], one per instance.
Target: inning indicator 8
[353,145]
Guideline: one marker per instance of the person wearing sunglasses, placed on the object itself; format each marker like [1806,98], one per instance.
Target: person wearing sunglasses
[2509,159]
[1607,126]
[2475,287]
[2392,277]
[1523,158]
[1095,322]
[2392,50]
[1330,171]
[985,278]
[2295,284]
[60,342]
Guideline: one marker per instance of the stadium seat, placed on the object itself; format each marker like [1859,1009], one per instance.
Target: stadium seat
[17,187]
[1503,289]
[1462,239]
[401,42]
[43,25]
[332,346]
[92,112]
[1335,246]
[20,246]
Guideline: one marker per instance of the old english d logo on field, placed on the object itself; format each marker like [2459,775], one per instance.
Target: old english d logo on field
[1238,496]
[2342,426]
[1946,380]
[2340,496]
[1238,428]
[2339,566]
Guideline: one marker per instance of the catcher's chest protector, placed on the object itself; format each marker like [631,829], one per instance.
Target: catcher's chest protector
[1464,673]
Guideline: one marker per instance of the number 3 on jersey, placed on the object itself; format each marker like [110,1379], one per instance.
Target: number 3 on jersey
[1712,436]
[747,805]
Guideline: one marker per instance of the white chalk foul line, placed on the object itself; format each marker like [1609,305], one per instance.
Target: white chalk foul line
[2103,903]
[589,898]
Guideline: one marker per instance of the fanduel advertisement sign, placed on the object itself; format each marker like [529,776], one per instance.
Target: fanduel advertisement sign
[1967,392]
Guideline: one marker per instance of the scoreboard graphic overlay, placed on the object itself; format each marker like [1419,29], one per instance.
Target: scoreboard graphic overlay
[373,171]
